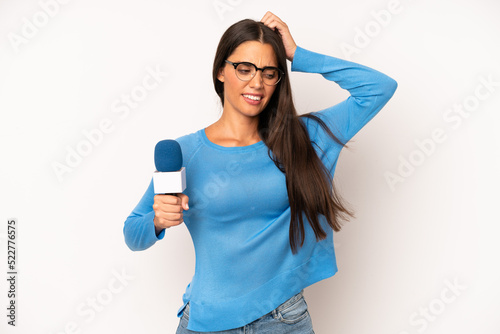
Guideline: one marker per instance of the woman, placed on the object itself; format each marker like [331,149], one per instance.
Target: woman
[262,206]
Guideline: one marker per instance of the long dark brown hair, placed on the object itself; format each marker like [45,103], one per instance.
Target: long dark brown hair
[310,187]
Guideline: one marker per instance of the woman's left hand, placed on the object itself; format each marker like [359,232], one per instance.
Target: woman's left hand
[274,22]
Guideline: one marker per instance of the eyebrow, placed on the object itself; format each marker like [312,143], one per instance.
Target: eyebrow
[246,61]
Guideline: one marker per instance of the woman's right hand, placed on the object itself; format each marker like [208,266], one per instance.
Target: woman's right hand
[169,210]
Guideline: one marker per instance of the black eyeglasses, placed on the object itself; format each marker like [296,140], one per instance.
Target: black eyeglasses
[246,71]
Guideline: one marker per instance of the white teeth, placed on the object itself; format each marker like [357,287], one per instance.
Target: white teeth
[252,97]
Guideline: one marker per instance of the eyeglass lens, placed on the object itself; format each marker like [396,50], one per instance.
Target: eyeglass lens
[247,71]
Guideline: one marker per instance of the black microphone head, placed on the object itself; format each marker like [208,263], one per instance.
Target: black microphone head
[168,156]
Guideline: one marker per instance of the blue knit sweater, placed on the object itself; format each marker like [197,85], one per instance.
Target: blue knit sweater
[239,212]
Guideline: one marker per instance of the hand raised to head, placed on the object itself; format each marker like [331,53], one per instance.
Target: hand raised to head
[274,22]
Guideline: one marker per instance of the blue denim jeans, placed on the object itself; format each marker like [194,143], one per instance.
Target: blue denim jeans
[291,317]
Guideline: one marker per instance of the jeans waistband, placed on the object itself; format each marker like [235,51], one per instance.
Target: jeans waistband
[290,301]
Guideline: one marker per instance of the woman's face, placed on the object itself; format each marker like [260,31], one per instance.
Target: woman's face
[247,98]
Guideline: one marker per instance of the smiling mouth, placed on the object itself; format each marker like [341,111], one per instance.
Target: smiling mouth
[253,97]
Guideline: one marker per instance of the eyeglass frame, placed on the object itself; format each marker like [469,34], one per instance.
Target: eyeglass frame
[282,73]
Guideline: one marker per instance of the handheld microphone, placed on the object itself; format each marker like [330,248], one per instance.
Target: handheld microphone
[170,176]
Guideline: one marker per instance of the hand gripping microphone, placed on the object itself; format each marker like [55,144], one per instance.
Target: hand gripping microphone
[170,176]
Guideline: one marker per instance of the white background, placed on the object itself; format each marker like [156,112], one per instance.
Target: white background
[408,243]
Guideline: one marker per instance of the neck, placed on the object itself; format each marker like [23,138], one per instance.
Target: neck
[234,130]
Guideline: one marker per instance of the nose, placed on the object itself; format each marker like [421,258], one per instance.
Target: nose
[257,80]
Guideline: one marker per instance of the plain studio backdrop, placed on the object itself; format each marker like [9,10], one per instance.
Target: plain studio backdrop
[87,88]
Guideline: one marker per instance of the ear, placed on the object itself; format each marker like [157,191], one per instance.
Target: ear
[220,76]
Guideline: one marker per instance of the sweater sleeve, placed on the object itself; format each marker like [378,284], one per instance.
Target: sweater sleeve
[370,90]
[139,229]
